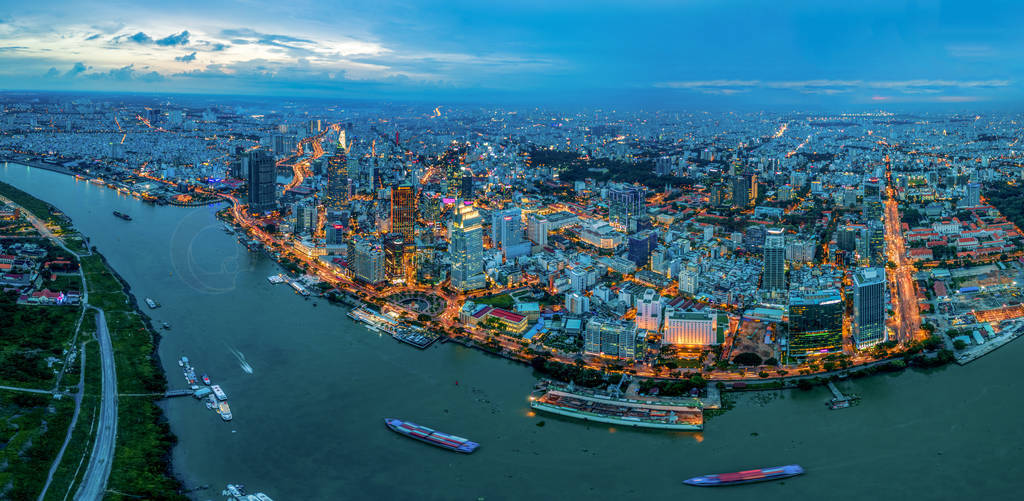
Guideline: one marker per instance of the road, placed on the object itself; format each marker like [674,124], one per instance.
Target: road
[71,427]
[94,482]
[907,312]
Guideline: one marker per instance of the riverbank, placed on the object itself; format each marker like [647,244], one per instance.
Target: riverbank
[142,457]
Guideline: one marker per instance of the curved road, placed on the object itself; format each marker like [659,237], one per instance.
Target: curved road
[94,482]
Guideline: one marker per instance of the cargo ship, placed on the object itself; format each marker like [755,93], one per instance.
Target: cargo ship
[746,477]
[122,215]
[432,437]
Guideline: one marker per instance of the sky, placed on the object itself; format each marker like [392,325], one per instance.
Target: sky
[719,53]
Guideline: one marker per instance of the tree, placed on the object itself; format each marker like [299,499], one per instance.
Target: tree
[959,344]
[748,359]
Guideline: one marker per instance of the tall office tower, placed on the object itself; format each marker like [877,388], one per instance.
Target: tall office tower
[262,181]
[506,227]
[873,188]
[774,272]
[869,307]
[394,259]
[314,127]
[690,328]
[466,249]
[876,243]
[337,182]
[648,311]
[303,219]
[717,195]
[744,189]
[611,338]
[403,211]
[640,246]
[625,203]
[277,144]
[239,164]
[366,261]
[537,229]
[973,198]
[847,237]
[815,322]
[466,187]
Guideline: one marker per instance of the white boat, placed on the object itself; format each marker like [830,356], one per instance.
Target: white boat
[224,411]
[152,304]
[219,392]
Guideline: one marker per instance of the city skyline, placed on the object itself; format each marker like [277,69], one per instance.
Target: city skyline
[698,54]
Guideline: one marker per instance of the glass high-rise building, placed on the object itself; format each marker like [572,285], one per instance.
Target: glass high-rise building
[262,182]
[337,182]
[403,211]
[774,272]
[815,322]
[466,249]
[869,307]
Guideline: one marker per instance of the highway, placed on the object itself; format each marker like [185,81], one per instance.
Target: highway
[94,481]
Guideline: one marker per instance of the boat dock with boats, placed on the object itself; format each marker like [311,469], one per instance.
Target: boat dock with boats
[609,409]
[212,395]
[237,492]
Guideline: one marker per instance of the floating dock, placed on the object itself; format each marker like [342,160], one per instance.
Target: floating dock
[619,411]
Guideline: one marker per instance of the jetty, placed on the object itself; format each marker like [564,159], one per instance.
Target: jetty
[839,401]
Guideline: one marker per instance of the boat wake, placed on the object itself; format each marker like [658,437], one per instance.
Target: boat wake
[241,360]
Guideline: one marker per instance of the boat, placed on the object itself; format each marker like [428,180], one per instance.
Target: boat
[184,360]
[603,408]
[181,362]
[224,411]
[219,392]
[206,379]
[210,402]
[122,215]
[166,325]
[746,477]
[430,436]
[152,304]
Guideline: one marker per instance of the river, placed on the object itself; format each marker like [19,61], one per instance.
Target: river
[308,418]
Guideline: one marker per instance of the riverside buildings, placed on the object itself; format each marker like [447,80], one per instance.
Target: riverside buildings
[869,307]
[466,248]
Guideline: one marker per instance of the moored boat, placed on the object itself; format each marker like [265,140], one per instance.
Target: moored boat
[746,477]
[152,304]
[122,215]
[224,411]
[206,379]
[219,392]
[431,436]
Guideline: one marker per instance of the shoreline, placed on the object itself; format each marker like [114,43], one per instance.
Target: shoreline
[468,342]
[153,357]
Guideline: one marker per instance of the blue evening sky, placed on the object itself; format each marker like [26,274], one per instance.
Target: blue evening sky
[723,53]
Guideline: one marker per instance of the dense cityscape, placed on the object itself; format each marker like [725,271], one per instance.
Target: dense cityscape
[229,254]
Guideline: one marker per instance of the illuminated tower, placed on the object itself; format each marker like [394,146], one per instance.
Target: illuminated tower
[337,181]
[466,249]
[403,211]
[262,181]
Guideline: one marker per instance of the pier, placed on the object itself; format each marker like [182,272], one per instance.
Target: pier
[167,394]
[839,401]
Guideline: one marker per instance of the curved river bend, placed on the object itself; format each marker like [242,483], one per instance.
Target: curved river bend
[308,419]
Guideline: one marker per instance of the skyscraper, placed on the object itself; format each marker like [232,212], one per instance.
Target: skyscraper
[744,189]
[466,249]
[506,227]
[774,272]
[625,203]
[403,211]
[366,261]
[262,181]
[815,322]
[868,307]
[973,198]
[648,311]
[337,182]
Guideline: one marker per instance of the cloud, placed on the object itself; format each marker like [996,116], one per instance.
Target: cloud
[75,70]
[52,73]
[93,37]
[172,40]
[12,48]
[187,58]
[141,37]
[831,87]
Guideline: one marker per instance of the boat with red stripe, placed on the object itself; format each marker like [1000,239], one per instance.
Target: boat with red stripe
[431,436]
[746,477]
